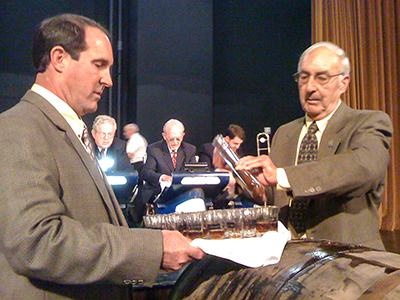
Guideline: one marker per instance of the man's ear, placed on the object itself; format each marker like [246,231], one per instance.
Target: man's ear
[58,58]
[164,136]
[345,83]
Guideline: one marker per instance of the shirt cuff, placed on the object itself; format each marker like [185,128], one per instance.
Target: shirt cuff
[283,182]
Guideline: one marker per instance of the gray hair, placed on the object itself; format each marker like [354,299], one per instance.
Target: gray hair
[101,119]
[172,123]
[334,48]
[132,126]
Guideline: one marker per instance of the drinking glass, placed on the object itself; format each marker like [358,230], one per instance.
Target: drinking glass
[214,224]
[249,222]
[266,219]
[153,221]
[194,225]
[234,223]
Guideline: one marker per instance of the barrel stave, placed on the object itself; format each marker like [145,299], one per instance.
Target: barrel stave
[308,269]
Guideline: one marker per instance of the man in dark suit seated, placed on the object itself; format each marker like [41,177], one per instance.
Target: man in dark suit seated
[110,151]
[164,157]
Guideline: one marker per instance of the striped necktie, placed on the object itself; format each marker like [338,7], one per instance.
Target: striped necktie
[88,143]
[173,156]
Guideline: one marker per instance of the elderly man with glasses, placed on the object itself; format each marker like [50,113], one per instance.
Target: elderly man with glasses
[327,169]
[110,151]
[165,157]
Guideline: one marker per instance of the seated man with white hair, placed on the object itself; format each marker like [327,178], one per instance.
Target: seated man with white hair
[164,157]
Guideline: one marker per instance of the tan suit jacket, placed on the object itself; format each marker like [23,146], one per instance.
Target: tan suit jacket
[62,233]
[347,181]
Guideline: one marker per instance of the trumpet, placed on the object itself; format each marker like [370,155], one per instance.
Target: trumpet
[263,143]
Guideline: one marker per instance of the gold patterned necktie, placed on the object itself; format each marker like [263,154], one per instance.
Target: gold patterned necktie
[308,152]
[173,156]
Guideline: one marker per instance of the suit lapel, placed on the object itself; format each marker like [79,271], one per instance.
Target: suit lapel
[96,174]
[331,138]
[167,157]
[291,140]
[180,159]
[99,178]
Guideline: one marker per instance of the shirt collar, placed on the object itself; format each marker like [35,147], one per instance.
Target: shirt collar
[62,107]
[170,150]
[322,123]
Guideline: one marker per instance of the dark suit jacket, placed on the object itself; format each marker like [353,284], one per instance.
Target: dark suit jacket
[159,162]
[346,183]
[117,152]
[63,235]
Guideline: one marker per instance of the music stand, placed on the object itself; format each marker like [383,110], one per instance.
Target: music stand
[123,184]
[211,184]
[197,167]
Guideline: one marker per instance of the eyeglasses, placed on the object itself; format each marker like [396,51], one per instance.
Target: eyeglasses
[174,140]
[106,134]
[320,78]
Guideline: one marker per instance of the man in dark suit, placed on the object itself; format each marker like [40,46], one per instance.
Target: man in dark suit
[160,161]
[63,235]
[331,191]
[110,151]
[234,136]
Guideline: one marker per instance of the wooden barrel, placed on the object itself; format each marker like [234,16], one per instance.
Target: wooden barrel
[308,269]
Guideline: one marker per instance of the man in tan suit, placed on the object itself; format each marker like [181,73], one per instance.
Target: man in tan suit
[62,233]
[338,194]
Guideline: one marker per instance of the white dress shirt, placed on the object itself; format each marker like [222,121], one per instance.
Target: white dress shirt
[63,108]
[282,179]
[136,145]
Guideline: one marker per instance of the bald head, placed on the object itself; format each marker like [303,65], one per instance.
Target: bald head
[173,133]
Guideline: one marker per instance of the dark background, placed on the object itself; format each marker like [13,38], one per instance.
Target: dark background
[206,63]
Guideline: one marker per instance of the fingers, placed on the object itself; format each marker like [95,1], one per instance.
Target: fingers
[196,253]
[253,162]
[177,251]
[166,178]
[267,175]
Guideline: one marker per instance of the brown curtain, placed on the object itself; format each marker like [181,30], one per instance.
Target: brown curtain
[369,32]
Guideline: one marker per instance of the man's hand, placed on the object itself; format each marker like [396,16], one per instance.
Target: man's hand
[177,251]
[267,175]
[218,161]
[166,178]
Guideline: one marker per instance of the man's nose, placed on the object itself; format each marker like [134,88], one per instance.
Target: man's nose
[106,78]
[311,84]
